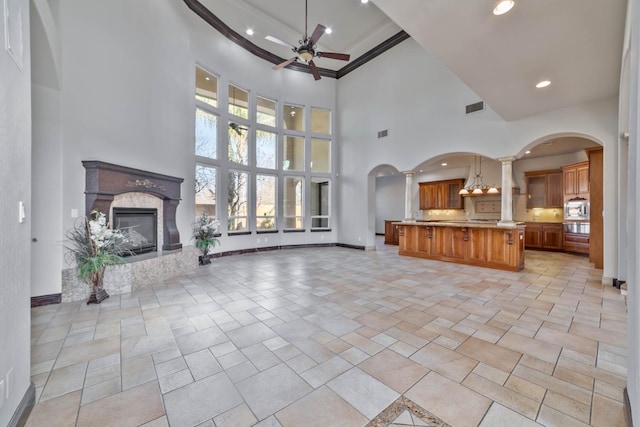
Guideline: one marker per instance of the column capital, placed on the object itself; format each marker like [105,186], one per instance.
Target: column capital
[509,159]
[409,172]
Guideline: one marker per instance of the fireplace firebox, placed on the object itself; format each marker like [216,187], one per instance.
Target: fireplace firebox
[139,226]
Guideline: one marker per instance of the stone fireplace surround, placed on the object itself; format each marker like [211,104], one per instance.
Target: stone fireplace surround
[105,180]
[108,185]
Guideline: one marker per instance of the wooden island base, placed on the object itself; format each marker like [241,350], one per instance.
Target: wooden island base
[482,245]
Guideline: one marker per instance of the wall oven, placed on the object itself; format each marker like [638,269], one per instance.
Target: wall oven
[576,209]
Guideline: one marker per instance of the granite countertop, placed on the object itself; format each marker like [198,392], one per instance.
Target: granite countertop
[474,224]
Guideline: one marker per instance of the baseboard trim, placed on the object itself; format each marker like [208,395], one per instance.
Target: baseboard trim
[626,405]
[23,410]
[283,247]
[46,300]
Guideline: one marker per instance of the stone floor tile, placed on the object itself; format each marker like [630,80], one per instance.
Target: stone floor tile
[201,400]
[63,409]
[499,416]
[447,362]
[101,390]
[490,354]
[131,407]
[325,371]
[137,371]
[394,370]
[503,395]
[240,416]
[175,380]
[269,391]
[566,405]
[202,364]
[313,411]
[365,393]
[170,367]
[64,380]
[454,403]
[551,417]
[196,341]
[606,412]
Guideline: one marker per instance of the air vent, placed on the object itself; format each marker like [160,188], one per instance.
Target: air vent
[472,108]
[383,133]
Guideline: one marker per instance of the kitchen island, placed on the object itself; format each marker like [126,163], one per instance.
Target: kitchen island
[484,244]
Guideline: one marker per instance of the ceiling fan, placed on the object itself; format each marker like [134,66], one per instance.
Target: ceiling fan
[307,49]
[237,128]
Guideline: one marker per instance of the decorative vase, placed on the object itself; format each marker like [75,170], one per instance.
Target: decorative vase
[98,294]
[204,258]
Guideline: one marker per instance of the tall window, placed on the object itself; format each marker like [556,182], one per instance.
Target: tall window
[266,149]
[206,190]
[238,143]
[293,153]
[206,134]
[238,102]
[293,117]
[206,87]
[320,197]
[293,202]
[266,190]
[320,155]
[266,111]
[321,121]
[238,200]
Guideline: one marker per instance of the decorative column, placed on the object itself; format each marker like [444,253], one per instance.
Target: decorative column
[506,213]
[408,208]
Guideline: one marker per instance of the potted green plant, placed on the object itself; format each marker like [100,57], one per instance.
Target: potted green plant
[94,246]
[205,232]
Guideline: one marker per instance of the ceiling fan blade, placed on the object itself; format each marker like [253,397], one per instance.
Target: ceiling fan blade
[314,70]
[285,63]
[319,31]
[278,41]
[332,55]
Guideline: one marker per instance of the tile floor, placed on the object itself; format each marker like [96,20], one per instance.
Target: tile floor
[334,337]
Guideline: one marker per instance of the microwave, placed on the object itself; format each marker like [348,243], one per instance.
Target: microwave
[576,208]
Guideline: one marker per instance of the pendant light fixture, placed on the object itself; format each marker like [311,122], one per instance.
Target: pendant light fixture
[478,186]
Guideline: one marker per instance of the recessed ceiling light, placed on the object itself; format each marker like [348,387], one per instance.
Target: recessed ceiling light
[250,31]
[364,1]
[543,83]
[443,164]
[502,7]
[328,30]
[527,152]
[207,78]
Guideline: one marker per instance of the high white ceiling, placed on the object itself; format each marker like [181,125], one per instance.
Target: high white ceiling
[577,44]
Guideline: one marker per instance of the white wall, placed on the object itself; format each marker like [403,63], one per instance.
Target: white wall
[389,200]
[631,109]
[15,181]
[127,97]
[422,104]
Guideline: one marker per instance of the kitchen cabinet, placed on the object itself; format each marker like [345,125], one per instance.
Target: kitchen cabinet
[390,233]
[576,242]
[543,235]
[576,179]
[544,189]
[464,243]
[441,194]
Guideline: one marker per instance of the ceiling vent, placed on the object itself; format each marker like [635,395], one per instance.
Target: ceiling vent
[383,133]
[472,108]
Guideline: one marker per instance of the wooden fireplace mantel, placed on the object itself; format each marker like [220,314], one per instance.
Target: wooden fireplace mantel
[105,180]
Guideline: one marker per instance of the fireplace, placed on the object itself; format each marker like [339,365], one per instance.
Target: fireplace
[106,181]
[139,226]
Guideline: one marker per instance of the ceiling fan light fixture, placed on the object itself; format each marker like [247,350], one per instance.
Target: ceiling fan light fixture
[502,7]
[306,55]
